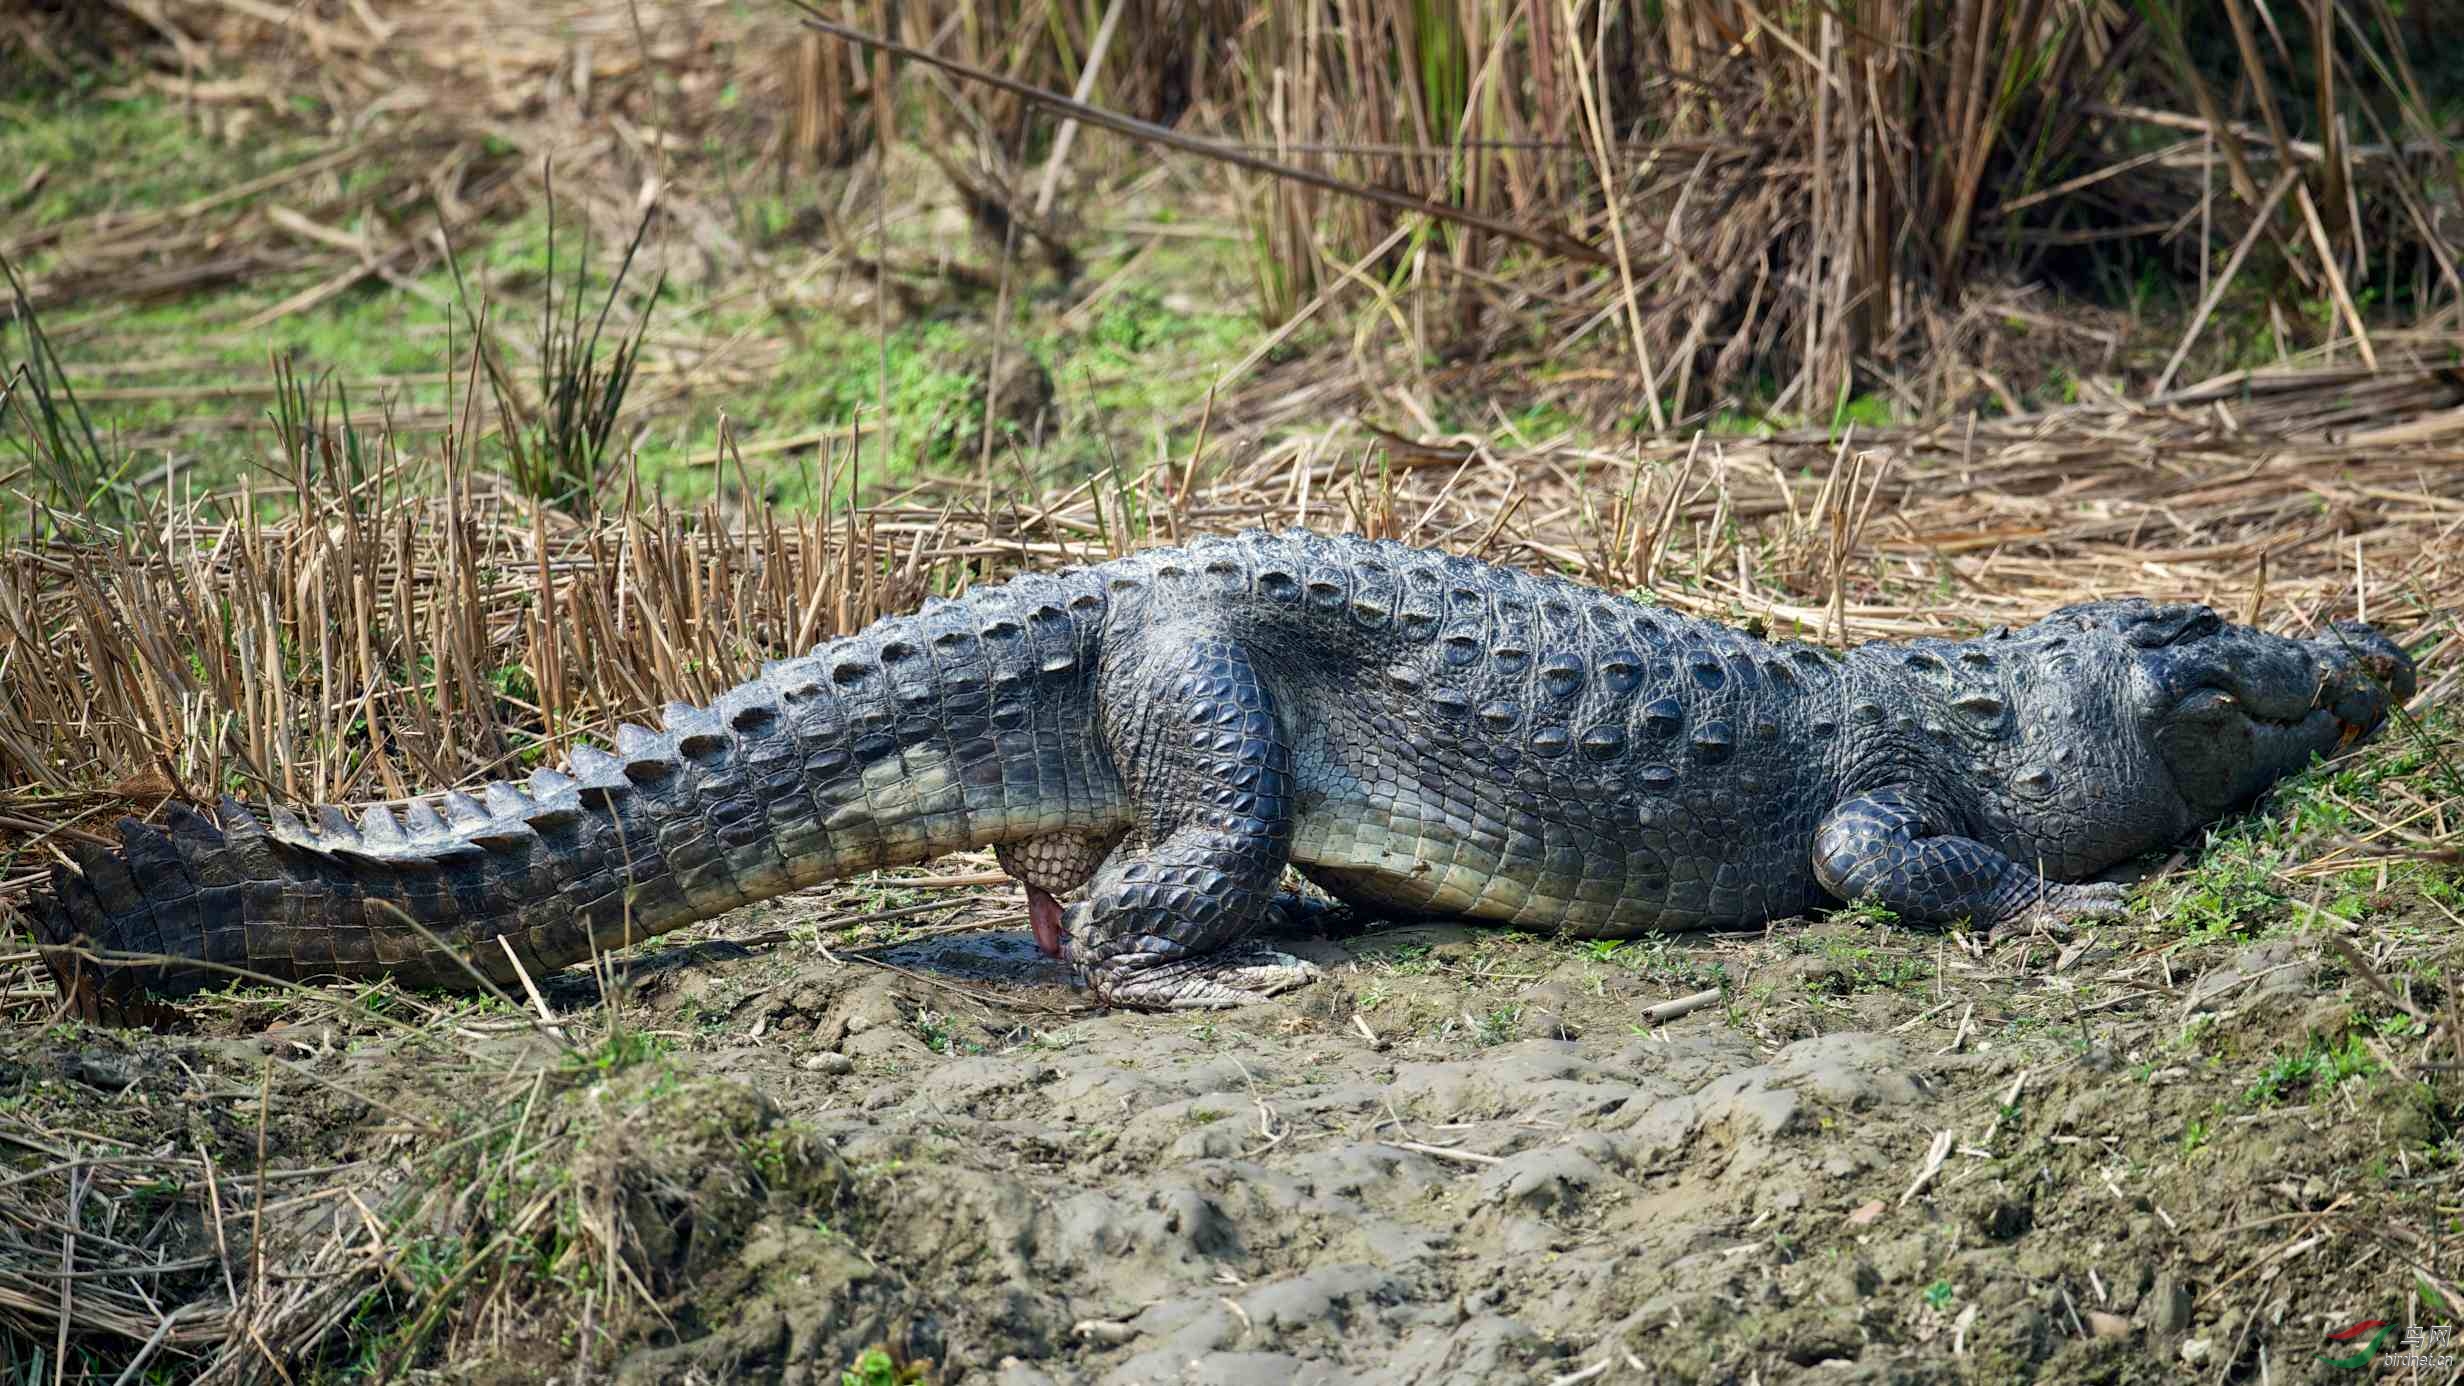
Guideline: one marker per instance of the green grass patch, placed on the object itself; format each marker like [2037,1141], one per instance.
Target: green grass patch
[2315,1071]
[182,387]
[123,156]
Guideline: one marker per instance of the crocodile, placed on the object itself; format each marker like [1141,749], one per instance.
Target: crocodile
[1159,737]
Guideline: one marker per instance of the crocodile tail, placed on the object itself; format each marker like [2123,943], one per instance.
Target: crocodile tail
[963,726]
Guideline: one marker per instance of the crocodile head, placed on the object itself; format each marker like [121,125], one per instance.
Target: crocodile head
[2235,709]
[2133,722]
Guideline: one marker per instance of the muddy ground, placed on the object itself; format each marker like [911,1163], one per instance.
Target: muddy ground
[2185,1147]
[1499,1171]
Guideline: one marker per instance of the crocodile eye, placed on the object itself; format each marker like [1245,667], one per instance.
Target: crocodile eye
[2174,625]
[2199,627]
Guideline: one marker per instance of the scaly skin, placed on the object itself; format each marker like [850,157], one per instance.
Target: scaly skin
[1417,733]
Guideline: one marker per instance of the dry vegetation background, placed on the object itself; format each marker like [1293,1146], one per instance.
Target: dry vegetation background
[1867,319]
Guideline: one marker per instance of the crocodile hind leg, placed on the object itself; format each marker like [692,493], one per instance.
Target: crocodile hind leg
[1166,921]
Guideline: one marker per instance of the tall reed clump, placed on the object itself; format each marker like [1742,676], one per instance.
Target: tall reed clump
[1790,193]
[556,442]
[1772,203]
[1458,101]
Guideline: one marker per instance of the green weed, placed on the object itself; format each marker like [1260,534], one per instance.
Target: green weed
[2316,1070]
[939,1031]
[876,1367]
[1497,1024]
[556,442]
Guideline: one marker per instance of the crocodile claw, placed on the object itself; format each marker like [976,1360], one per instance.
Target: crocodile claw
[1295,915]
[1241,975]
[2066,902]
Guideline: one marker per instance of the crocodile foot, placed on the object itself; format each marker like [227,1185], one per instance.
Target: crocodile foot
[1240,975]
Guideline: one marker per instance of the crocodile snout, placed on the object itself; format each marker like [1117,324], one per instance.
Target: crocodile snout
[2362,675]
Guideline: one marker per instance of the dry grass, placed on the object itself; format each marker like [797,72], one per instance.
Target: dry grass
[478,1185]
[1804,201]
[1795,205]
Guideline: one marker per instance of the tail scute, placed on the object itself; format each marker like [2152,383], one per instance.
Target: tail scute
[98,905]
[242,838]
[642,749]
[380,829]
[695,732]
[593,768]
[336,827]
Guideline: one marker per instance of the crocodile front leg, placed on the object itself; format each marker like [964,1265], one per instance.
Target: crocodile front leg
[1166,921]
[1883,846]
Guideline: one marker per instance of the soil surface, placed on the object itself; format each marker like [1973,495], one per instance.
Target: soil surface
[1466,1156]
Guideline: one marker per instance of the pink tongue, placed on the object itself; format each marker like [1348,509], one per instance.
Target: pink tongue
[1044,913]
